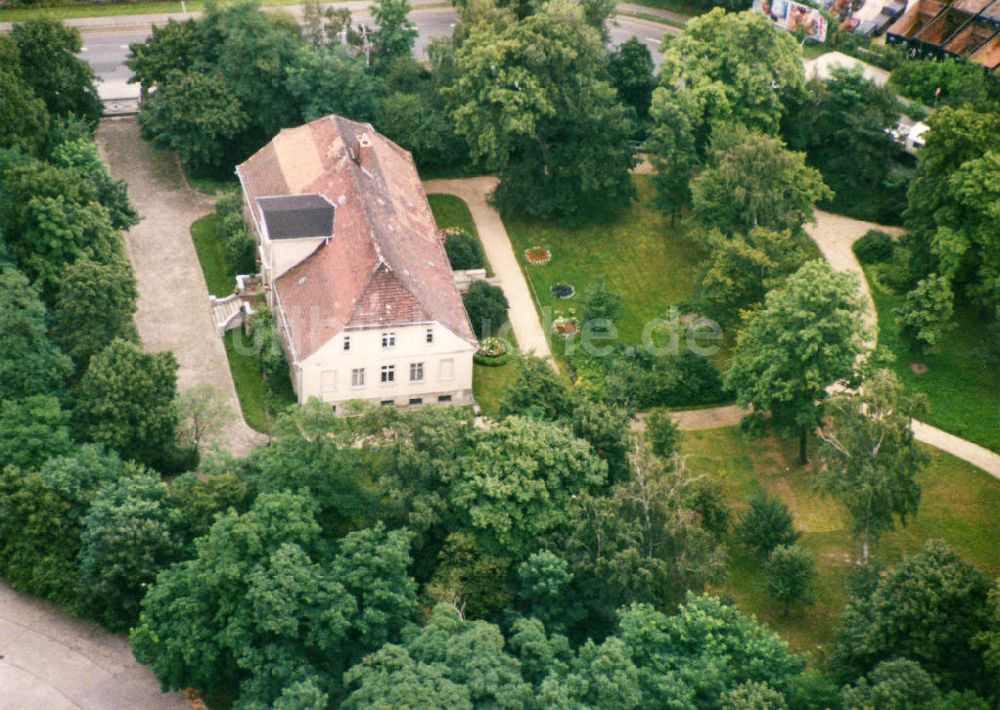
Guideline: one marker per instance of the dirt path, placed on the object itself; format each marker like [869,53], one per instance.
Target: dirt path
[52,662]
[523,314]
[174,312]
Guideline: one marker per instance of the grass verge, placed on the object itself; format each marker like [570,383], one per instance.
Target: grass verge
[207,236]
[489,384]
[960,504]
[67,11]
[243,363]
[961,387]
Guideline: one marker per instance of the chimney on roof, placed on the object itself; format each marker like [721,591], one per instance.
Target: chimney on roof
[366,151]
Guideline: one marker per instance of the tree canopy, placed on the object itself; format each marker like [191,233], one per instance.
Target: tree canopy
[533,101]
[807,336]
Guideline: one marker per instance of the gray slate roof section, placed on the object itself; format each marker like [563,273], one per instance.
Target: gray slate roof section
[297,216]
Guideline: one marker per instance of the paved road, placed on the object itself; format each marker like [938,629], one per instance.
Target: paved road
[106,39]
[174,312]
[522,312]
[49,661]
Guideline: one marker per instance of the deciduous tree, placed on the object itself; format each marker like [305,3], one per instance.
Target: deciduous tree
[49,64]
[125,401]
[35,429]
[767,525]
[928,609]
[807,336]
[24,120]
[203,412]
[953,202]
[790,574]
[752,181]
[131,531]
[716,63]
[631,68]
[41,520]
[869,457]
[396,33]
[101,296]
[30,363]
[844,125]
[532,101]
[518,482]
[926,314]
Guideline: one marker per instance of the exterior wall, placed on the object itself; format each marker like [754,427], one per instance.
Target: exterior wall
[327,374]
[276,255]
[282,254]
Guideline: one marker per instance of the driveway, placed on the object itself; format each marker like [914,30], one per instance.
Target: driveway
[51,662]
[522,313]
[174,312]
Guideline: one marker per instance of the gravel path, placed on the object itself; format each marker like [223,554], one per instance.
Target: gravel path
[49,661]
[523,314]
[174,312]
[835,235]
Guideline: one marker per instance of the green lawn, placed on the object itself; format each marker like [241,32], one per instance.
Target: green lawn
[648,261]
[451,211]
[960,504]
[243,364]
[963,391]
[490,383]
[207,236]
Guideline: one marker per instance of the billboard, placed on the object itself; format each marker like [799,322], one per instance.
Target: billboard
[794,16]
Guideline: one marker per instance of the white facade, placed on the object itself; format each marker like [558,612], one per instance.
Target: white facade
[408,365]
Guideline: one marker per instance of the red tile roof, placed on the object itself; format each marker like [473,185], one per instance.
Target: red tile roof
[385,264]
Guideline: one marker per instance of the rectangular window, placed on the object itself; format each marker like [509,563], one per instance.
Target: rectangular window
[358,377]
[416,400]
[447,370]
[430,335]
[347,343]
[416,372]
[444,398]
[388,340]
[388,374]
[328,381]
[387,402]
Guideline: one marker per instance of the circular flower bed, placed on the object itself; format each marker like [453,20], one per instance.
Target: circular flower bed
[492,352]
[563,291]
[564,327]
[538,256]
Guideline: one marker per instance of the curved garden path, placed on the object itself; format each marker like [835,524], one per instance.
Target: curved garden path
[493,234]
[174,312]
[833,234]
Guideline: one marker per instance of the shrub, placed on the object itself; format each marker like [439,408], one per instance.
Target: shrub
[926,315]
[464,251]
[766,525]
[599,302]
[874,247]
[689,379]
[790,573]
[662,434]
[492,352]
[487,308]
[238,246]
